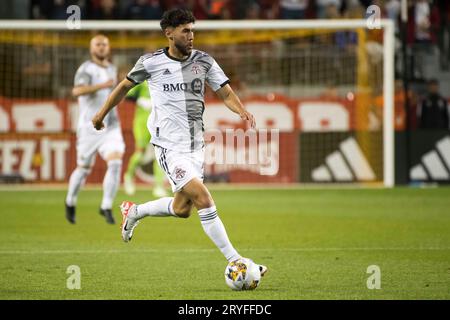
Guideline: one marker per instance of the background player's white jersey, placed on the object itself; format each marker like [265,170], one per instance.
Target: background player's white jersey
[90,73]
[177,88]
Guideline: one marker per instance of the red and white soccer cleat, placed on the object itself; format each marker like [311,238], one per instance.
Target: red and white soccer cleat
[128,222]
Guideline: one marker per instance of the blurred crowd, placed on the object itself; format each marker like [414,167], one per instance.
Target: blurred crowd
[429,20]
[224,9]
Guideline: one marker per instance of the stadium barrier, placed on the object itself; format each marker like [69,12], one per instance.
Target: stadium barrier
[38,140]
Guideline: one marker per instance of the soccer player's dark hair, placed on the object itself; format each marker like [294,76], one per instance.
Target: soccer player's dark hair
[175,17]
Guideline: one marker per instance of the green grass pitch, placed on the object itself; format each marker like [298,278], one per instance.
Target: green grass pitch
[317,243]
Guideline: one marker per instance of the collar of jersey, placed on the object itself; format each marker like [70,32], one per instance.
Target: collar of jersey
[105,67]
[166,51]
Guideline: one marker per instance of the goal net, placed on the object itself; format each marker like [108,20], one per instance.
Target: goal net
[321,93]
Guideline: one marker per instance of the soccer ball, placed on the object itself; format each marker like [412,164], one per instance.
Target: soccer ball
[242,274]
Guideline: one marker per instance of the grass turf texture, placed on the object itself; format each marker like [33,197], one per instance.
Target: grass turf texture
[317,244]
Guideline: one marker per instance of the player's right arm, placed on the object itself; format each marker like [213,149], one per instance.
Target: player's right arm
[114,99]
[83,82]
[88,89]
[137,75]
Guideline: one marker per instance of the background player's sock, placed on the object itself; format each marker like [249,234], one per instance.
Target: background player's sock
[157,208]
[215,230]
[134,161]
[77,179]
[111,183]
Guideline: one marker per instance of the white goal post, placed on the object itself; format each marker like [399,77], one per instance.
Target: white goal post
[388,54]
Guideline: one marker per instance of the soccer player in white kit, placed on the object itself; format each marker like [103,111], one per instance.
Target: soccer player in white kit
[176,77]
[94,81]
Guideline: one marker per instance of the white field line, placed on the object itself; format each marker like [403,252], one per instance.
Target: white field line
[8,252]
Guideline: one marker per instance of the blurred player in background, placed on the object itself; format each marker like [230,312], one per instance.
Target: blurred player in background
[94,81]
[141,96]
[176,77]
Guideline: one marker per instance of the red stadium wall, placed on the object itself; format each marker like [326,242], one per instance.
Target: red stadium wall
[37,138]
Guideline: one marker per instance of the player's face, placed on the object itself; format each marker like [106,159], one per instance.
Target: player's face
[100,47]
[183,37]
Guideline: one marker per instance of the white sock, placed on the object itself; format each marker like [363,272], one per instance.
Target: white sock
[111,183]
[77,179]
[157,208]
[215,230]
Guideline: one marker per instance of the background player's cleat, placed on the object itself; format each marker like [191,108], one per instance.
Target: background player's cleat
[70,213]
[128,184]
[128,222]
[107,213]
[262,270]
[159,192]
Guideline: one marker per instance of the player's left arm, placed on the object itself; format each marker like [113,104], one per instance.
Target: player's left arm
[233,103]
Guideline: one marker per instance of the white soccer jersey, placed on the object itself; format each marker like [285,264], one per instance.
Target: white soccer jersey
[177,88]
[90,73]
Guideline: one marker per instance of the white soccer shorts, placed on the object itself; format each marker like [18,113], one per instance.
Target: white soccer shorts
[180,167]
[105,142]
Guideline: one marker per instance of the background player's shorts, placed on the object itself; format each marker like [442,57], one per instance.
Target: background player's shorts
[181,167]
[104,142]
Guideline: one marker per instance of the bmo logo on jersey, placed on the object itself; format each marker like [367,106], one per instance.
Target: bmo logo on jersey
[170,87]
[195,86]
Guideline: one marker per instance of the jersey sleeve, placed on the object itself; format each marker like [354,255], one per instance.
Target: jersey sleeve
[215,77]
[82,77]
[138,74]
